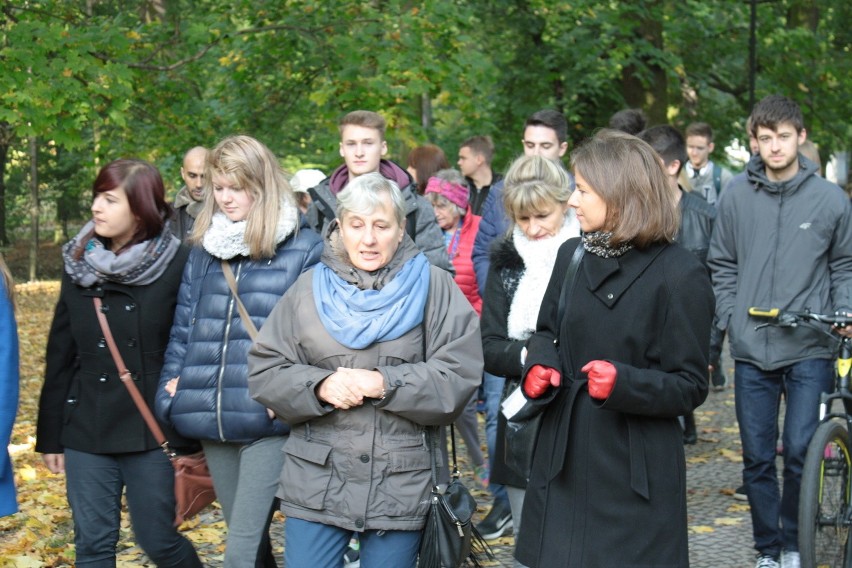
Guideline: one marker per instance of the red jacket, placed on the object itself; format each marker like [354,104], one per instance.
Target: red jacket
[463,262]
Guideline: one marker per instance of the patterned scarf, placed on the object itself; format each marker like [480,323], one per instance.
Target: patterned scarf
[138,265]
[597,243]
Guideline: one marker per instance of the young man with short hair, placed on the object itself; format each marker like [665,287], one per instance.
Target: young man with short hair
[783,239]
[363,147]
[701,175]
[545,134]
[475,155]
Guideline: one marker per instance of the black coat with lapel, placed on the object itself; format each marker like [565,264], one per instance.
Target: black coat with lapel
[84,405]
[608,480]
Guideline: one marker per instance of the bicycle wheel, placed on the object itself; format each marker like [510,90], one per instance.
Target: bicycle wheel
[824,499]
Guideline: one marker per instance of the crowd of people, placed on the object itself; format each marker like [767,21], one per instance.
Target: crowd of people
[312,334]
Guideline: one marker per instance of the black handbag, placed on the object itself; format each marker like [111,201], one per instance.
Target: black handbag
[520,437]
[522,429]
[450,539]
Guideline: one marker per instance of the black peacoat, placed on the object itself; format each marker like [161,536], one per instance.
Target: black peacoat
[83,404]
[608,483]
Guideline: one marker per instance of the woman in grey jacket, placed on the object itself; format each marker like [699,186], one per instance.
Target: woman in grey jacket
[360,357]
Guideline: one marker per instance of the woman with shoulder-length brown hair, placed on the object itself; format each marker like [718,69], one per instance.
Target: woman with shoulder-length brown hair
[424,162]
[626,358]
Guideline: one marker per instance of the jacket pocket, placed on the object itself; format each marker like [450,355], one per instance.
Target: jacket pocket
[404,489]
[306,474]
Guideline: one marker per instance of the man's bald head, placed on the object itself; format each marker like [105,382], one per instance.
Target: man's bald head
[192,171]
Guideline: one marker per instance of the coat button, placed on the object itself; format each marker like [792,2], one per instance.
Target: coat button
[609,296]
[398,383]
[359,523]
[103,378]
[365,458]
[101,342]
[131,342]
[130,307]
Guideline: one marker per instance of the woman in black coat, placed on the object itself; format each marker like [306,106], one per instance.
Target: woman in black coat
[608,482]
[88,426]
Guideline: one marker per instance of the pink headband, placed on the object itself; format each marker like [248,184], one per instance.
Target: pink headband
[453,192]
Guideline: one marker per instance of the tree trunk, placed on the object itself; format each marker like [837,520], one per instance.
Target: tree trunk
[803,14]
[4,153]
[650,94]
[33,208]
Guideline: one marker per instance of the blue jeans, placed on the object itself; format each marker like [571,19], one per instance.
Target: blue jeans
[492,387]
[94,484]
[308,545]
[774,510]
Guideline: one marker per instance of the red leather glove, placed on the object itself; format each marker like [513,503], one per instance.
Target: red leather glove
[601,378]
[539,378]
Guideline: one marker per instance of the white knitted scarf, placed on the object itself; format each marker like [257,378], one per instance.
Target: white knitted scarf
[225,239]
[539,257]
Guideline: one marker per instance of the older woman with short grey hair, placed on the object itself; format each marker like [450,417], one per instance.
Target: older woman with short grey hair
[367,353]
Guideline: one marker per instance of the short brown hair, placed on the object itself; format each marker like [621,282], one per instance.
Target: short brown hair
[627,174]
[700,129]
[774,110]
[481,145]
[365,118]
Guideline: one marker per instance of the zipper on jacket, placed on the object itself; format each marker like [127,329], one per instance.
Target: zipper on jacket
[767,339]
[228,315]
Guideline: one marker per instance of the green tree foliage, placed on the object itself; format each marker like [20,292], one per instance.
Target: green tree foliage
[97,79]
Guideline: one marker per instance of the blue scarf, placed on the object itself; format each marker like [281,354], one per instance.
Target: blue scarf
[359,318]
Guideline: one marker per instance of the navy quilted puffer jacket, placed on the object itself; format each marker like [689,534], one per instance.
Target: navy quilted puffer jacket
[209,344]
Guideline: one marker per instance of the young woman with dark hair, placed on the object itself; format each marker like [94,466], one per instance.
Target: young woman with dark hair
[88,426]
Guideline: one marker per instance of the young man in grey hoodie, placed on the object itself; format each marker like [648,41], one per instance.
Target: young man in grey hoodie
[783,239]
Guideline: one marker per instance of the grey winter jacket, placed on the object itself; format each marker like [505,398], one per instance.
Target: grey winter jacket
[426,233]
[366,468]
[784,245]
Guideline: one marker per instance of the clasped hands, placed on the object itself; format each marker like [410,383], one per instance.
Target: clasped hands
[601,379]
[347,388]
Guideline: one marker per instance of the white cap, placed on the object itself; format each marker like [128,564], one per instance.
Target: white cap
[303,180]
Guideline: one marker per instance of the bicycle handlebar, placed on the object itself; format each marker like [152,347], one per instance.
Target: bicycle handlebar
[791,319]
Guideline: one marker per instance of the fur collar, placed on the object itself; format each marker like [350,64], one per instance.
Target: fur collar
[504,255]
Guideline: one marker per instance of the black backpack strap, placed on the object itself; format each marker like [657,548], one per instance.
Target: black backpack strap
[717,179]
[324,210]
[411,224]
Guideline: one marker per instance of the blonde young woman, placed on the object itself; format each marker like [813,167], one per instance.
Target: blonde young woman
[250,221]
